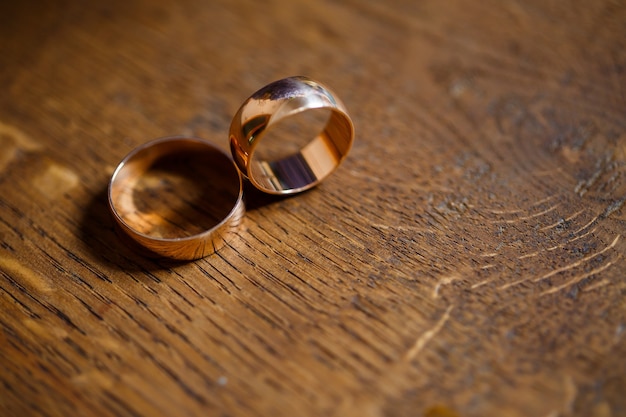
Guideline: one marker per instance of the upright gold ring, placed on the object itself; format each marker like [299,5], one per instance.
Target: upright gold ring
[280,104]
[177,197]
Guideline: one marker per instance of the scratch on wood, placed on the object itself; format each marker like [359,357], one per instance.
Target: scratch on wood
[553,225]
[570,240]
[543,200]
[481,283]
[505,211]
[400,228]
[573,216]
[427,336]
[562,221]
[532,216]
[592,221]
[553,248]
[444,281]
[575,264]
[577,279]
[600,284]
[515,211]
[564,268]
[528,255]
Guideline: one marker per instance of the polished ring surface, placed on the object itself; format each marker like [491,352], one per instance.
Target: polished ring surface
[177,197]
[301,168]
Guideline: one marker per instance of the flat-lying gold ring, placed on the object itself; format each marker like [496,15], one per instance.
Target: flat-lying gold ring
[182,161]
[285,99]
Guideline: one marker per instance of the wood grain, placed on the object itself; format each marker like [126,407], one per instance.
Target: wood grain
[466,260]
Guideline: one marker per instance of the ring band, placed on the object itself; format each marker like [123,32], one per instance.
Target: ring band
[305,167]
[177,197]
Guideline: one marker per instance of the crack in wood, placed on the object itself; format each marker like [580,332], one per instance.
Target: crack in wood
[427,336]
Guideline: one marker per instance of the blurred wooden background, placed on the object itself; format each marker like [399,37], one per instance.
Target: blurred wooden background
[466,260]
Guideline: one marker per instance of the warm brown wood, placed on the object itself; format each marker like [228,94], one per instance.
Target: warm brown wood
[467,259]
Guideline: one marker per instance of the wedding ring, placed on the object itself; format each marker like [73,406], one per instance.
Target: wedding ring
[265,131]
[177,197]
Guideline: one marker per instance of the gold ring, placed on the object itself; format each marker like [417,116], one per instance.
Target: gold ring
[279,115]
[177,197]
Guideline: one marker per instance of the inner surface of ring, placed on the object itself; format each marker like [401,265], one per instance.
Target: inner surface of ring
[301,150]
[176,189]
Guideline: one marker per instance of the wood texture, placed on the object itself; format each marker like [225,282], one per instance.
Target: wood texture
[466,260]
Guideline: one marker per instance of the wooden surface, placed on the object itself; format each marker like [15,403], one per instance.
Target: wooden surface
[466,260]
